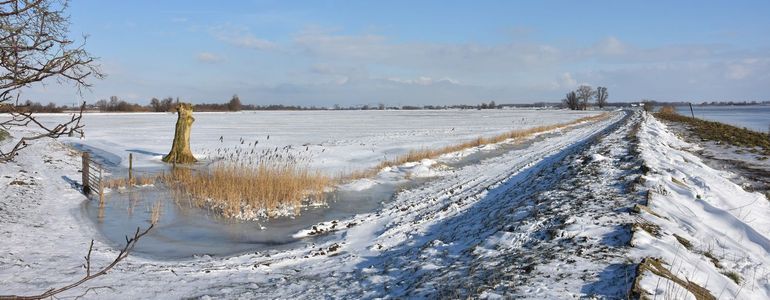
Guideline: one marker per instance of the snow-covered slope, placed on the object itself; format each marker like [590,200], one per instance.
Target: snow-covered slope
[707,231]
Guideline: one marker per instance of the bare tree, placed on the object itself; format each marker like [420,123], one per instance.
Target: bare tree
[234,104]
[601,96]
[571,101]
[585,94]
[34,48]
[648,105]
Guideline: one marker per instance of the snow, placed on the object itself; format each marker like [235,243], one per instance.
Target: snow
[550,219]
[334,141]
[699,204]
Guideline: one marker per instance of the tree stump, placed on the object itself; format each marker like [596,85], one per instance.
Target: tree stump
[180,149]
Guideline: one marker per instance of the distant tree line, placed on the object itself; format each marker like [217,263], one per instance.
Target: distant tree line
[32,107]
[167,104]
[579,99]
[117,105]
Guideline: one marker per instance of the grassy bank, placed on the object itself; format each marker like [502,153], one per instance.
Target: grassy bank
[715,131]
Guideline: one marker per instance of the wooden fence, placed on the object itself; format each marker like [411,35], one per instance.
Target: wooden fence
[92,176]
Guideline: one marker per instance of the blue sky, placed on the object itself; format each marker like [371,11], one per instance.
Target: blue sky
[421,52]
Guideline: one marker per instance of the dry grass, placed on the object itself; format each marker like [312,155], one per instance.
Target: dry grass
[657,267]
[646,226]
[420,154]
[155,212]
[715,131]
[235,190]
[685,242]
[733,276]
[117,183]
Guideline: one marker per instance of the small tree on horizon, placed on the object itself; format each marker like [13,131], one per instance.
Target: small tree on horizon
[571,101]
[585,93]
[648,105]
[234,104]
[601,96]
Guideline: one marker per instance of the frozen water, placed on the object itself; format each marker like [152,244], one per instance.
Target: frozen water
[754,117]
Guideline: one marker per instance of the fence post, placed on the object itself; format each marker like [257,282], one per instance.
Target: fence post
[130,168]
[101,187]
[86,167]
[691,111]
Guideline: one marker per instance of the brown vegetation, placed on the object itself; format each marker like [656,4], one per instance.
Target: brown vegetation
[656,267]
[715,131]
[234,189]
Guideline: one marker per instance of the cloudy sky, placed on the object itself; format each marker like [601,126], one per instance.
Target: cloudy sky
[421,52]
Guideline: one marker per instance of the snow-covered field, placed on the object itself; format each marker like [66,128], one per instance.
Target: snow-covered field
[335,141]
[552,219]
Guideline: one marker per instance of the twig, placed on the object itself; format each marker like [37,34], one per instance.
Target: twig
[130,243]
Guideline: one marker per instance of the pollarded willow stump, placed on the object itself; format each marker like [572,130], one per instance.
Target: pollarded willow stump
[180,150]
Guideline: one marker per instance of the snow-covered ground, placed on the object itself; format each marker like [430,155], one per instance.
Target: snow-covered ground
[334,141]
[554,219]
[704,227]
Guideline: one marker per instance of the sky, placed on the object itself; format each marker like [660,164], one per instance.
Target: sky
[420,52]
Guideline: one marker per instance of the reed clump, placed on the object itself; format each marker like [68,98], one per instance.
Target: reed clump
[250,191]
[117,183]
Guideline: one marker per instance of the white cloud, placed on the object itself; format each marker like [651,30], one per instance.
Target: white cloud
[737,71]
[567,81]
[424,80]
[208,57]
[611,46]
[250,41]
[241,37]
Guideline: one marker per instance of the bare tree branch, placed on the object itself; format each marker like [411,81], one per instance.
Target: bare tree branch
[34,48]
[130,243]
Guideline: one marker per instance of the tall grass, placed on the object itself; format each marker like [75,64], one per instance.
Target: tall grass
[237,190]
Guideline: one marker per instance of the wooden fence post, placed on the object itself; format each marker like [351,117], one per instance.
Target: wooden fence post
[130,168]
[86,167]
[691,111]
[101,187]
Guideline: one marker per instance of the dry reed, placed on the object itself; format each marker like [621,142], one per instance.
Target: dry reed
[117,183]
[241,191]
